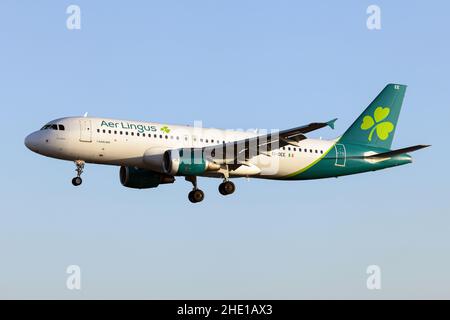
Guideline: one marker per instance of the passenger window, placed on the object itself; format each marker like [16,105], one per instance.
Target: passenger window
[143,134]
[115,132]
[61,127]
[121,132]
[289,148]
[137,134]
[160,136]
[126,133]
[109,131]
[98,130]
[104,131]
[167,137]
[321,151]
[132,133]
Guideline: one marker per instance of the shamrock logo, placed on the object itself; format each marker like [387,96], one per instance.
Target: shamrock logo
[165,129]
[383,128]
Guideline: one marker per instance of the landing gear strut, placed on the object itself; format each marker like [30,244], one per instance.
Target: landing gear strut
[226,187]
[196,195]
[80,166]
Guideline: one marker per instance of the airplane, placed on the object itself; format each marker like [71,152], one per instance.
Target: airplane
[151,154]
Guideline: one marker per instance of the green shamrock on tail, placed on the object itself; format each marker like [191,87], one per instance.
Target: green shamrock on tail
[165,129]
[383,128]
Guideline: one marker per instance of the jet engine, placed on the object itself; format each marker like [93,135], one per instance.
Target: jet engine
[136,178]
[186,162]
[153,159]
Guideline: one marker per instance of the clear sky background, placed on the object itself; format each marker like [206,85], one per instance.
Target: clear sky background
[230,64]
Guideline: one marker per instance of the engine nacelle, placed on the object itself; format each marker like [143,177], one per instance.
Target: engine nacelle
[187,162]
[136,178]
[153,159]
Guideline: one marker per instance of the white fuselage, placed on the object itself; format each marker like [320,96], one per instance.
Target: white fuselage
[125,143]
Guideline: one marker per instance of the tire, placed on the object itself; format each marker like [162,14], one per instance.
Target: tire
[222,190]
[190,197]
[197,195]
[226,188]
[77,181]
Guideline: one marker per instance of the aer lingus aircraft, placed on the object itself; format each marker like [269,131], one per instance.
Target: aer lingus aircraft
[150,154]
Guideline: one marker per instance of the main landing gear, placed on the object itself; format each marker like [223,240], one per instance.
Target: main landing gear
[196,195]
[80,166]
[227,187]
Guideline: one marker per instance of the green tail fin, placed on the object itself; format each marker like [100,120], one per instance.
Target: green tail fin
[376,125]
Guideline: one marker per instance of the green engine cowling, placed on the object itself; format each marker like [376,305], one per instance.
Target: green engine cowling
[187,162]
[136,178]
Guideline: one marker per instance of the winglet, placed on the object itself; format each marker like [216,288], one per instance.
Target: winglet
[331,123]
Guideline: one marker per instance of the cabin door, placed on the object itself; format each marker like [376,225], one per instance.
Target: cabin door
[85,130]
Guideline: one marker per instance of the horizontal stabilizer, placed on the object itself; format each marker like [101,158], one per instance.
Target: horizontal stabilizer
[392,153]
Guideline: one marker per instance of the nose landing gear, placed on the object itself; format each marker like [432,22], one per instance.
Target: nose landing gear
[80,166]
[196,195]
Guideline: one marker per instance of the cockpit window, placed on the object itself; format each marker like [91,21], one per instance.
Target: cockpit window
[53,127]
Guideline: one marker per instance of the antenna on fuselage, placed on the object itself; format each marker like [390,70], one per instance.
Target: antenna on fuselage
[85,115]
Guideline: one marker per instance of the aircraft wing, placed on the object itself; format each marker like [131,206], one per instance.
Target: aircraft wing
[241,150]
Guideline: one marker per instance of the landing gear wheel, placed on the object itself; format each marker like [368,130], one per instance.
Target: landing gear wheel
[77,181]
[226,188]
[80,166]
[196,196]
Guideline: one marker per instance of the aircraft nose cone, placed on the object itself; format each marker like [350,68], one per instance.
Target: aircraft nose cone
[31,142]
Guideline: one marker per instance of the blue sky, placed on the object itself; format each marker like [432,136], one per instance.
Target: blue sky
[230,64]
